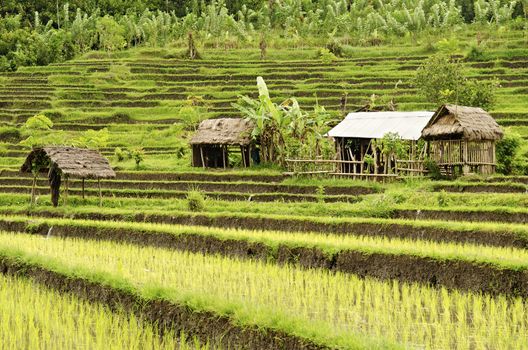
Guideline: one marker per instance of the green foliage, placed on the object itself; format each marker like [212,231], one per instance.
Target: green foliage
[326,56]
[138,155]
[510,159]
[441,80]
[442,199]
[37,131]
[433,169]
[285,130]
[94,139]
[119,154]
[110,33]
[195,200]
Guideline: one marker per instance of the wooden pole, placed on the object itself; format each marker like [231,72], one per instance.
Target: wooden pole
[100,193]
[243,156]
[224,151]
[34,185]
[66,192]
[202,156]
[83,188]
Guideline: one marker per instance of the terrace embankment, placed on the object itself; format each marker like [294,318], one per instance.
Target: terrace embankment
[366,227]
[206,325]
[225,196]
[206,186]
[461,215]
[451,273]
[479,188]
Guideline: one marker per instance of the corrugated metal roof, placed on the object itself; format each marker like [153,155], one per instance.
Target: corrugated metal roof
[374,125]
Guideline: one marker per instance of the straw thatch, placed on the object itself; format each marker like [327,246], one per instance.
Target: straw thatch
[223,131]
[71,161]
[459,122]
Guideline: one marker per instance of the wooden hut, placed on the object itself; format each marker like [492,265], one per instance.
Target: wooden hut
[66,162]
[357,134]
[462,139]
[215,139]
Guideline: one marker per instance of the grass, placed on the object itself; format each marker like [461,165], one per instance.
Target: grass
[33,317]
[335,305]
[501,257]
[116,275]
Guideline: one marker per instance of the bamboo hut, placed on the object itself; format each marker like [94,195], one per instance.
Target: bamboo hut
[462,139]
[66,162]
[215,139]
[357,135]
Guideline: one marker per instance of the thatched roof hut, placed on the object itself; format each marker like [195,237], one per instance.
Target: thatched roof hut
[72,162]
[462,139]
[460,122]
[214,137]
[68,162]
[223,131]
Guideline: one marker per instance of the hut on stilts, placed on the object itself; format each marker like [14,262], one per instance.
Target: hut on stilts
[66,162]
[461,140]
[357,141]
[215,139]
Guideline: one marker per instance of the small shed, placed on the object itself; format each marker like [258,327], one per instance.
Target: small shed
[66,162]
[356,135]
[462,139]
[215,139]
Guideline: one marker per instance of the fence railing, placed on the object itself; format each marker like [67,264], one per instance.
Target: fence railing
[351,168]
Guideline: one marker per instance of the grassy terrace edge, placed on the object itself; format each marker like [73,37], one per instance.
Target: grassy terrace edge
[451,270]
[501,235]
[226,324]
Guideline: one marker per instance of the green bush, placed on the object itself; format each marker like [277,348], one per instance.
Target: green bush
[195,200]
[510,159]
[433,169]
[119,154]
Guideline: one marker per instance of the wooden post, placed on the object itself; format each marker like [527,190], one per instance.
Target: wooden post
[224,150]
[202,156]
[243,156]
[83,188]
[67,189]
[33,188]
[100,193]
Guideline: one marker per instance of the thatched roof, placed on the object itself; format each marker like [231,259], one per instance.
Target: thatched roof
[459,122]
[75,162]
[223,131]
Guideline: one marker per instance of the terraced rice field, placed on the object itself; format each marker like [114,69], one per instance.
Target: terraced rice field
[138,94]
[270,262]
[415,264]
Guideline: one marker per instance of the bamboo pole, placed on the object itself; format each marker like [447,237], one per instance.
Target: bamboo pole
[100,193]
[33,188]
[224,150]
[202,156]
[67,190]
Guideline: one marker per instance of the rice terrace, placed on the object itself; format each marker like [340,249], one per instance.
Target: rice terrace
[282,174]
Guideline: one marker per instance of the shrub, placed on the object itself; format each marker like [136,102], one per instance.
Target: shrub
[326,56]
[138,154]
[442,199]
[119,154]
[476,53]
[441,80]
[195,200]
[335,48]
[509,158]
[434,170]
